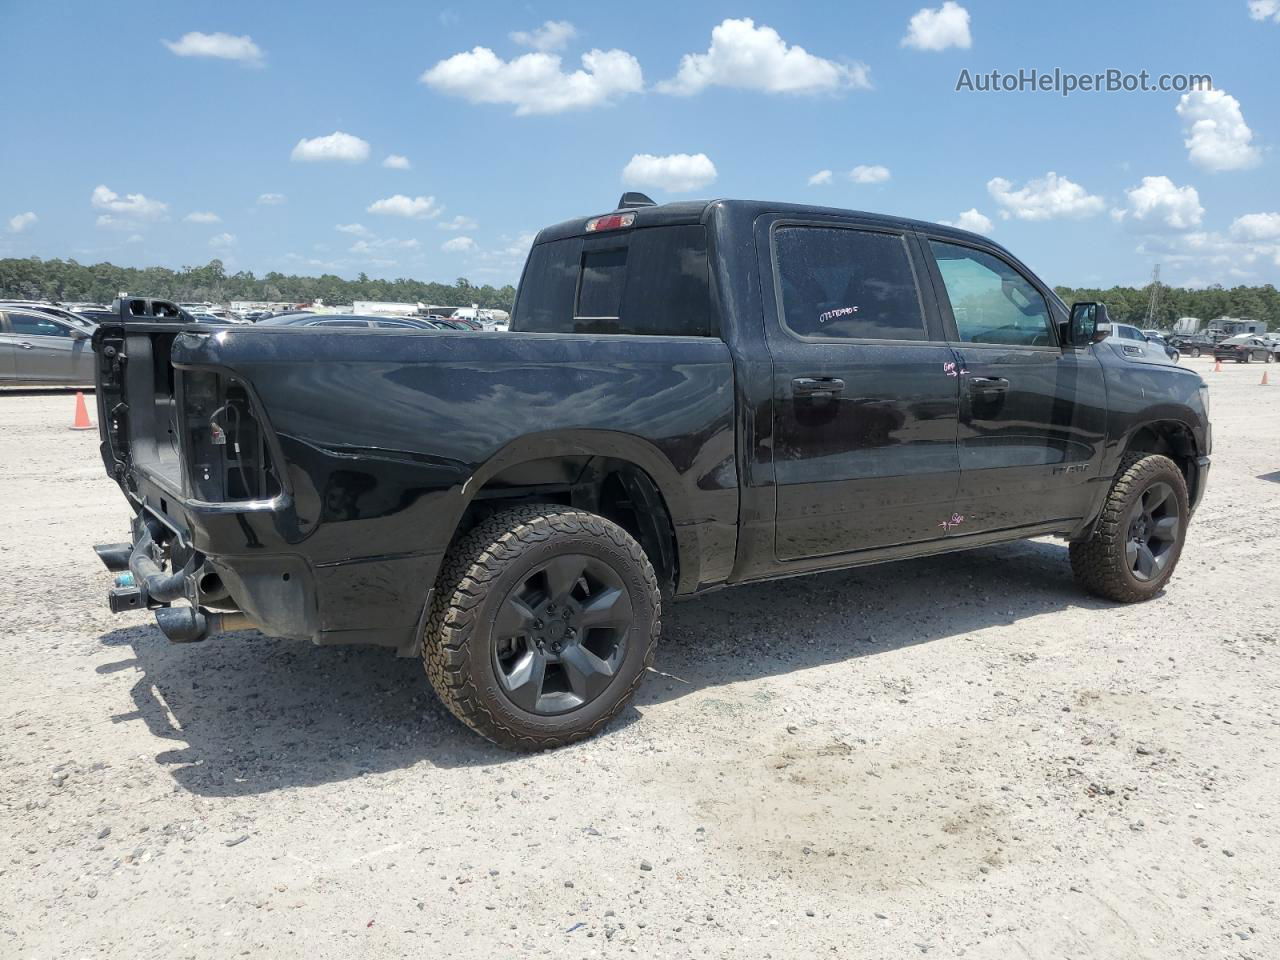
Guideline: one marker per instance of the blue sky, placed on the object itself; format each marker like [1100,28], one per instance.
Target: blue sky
[135,116]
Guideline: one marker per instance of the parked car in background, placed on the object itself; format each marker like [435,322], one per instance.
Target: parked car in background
[1243,348]
[40,349]
[62,313]
[1133,342]
[349,320]
[1192,344]
[1155,338]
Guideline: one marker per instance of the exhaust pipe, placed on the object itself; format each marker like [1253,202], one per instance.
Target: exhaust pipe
[191,625]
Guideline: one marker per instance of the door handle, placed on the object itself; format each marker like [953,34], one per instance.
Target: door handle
[24,345]
[988,384]
[811,386]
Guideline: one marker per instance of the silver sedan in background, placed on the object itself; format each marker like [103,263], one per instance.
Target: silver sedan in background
[40,349]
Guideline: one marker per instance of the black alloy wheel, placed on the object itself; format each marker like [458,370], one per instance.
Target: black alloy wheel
[560,634]
[542,624]
[1153,532]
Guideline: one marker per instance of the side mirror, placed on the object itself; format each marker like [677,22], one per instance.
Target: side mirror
[1089,323]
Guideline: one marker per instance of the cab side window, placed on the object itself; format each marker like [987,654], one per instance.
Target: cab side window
[991,301]
[840,283]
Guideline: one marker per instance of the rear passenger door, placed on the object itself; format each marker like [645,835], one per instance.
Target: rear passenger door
[1032,411]
[865,390]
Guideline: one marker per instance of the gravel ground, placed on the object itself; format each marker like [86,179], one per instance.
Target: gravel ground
[961,756]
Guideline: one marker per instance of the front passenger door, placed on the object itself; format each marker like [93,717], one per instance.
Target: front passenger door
[1033,412]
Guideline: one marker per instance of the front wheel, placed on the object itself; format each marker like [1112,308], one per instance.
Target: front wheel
[1138,539]
[542,623]
[1176,356]
[1195,352]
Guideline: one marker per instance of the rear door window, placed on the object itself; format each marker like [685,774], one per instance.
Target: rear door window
[652,281]
[842,283]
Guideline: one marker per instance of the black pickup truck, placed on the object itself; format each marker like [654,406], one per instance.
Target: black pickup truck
[691,395]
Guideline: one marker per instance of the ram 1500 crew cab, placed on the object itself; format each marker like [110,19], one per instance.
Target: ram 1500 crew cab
[691,395]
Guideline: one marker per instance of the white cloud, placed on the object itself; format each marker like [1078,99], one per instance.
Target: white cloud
[134,238]
[271,199]
[396,161]
[1265,10]
[202,216]
[458,245]
[416,208]
[458,223]
[222,46]
[355,229]
[1256,226]
[973,221]
[937,29]
[133,205]
[1157,203]
[1217,136]
[676,172]
[875,173]
[1046,199]
[1215,254]
[339,146]
[748,57]
[552,35]
[821,178]
[222,241]
[387,243]
[534,82]
[21,221]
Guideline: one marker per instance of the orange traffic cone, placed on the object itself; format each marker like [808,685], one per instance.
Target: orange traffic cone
[1217,366]
[81,421]
[1264,379]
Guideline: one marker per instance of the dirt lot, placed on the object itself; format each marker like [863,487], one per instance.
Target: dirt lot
[953,757]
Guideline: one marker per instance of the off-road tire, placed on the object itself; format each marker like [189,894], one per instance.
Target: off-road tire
[474,579]
[1099,563]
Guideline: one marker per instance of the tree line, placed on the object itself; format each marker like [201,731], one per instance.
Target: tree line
[1129,304]
[35,279]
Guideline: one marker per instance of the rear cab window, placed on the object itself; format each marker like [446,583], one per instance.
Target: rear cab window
[651,281]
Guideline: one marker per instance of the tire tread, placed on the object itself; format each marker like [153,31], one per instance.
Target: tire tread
[1098,563]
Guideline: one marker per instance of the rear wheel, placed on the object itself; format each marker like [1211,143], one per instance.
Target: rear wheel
[1176,356]
[1138,539]
[1247,358]
[541,626]
[1195,352]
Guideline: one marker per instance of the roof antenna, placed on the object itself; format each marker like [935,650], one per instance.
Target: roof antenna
[630,201]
